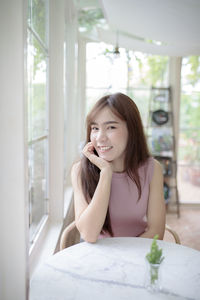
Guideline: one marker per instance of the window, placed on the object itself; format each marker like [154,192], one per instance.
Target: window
[37,70]
[132,73]
[189,140]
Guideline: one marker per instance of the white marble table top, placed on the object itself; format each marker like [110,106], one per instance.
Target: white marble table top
[114,268]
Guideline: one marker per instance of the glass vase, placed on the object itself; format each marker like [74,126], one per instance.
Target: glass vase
[153,277]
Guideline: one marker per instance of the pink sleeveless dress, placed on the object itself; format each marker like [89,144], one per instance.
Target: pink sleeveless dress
[127,214]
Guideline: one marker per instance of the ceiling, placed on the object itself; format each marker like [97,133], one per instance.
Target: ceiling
[164,27]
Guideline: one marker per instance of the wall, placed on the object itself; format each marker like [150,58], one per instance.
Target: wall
[13,179]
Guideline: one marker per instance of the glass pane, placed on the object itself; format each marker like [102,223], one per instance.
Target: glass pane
[37,184]
[93,95]
[110,72]
[141,99]
[38,11]
[132,73]
[37,89]
[146,70]
[190,79]
[189,147]
[190,110]
[128,70]
[37,133]
[189,183]
[189,136]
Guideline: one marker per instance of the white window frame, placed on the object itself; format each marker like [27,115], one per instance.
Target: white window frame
[46,239]
[45,48]
[66,91]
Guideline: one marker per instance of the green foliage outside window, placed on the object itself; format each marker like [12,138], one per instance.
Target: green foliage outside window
[194,75]
[157,69]
[189,150]
[37,20]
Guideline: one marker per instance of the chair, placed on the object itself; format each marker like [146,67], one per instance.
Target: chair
[75,238]
[70,236]
[174,234]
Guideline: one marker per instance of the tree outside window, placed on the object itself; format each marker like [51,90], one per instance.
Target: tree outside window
[189,141]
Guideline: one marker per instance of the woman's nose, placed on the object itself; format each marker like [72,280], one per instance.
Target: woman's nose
[101,135]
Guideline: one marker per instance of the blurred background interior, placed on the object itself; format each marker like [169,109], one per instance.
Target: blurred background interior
[57,59]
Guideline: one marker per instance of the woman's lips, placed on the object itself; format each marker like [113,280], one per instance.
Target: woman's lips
[104,149]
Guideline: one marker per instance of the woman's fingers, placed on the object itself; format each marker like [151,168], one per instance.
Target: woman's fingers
[88,151]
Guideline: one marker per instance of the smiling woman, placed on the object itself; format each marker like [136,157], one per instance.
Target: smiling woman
[118,186]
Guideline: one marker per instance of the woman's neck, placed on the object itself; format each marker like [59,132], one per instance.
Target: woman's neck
[117,167]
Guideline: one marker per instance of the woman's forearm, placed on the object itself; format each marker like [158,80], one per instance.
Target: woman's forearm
[91,220]
[151,233]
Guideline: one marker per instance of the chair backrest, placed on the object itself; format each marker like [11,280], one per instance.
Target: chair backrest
[173,233]
[70,235]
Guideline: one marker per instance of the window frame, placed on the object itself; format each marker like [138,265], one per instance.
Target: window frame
[47,236]
[45,48]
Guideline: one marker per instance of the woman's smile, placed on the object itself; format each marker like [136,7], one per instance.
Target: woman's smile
[104,149]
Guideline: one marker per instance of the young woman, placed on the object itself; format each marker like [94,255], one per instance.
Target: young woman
[118,186]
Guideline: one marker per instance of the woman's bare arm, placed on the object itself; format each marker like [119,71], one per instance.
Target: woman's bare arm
[156,205]
[90,217]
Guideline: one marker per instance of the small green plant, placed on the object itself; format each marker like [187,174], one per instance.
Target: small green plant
[155,255]
[154,258]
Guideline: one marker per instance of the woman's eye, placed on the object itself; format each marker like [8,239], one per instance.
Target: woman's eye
[94,128]
[111,127]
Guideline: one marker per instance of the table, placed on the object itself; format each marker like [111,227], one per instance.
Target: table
[114,268]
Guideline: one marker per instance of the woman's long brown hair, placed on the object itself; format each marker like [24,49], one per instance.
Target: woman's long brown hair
[136,151]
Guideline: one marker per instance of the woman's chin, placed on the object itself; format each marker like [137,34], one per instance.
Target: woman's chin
[106,157]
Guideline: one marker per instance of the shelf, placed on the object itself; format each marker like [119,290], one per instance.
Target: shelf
[161,140]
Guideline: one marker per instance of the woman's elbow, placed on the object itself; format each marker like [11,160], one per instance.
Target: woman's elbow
[89,239]
[87,236]
[152,231]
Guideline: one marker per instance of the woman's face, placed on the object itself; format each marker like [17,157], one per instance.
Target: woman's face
[109,135]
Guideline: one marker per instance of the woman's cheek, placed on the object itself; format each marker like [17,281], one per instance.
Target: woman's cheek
[113,136]
[93,141]
[92,138]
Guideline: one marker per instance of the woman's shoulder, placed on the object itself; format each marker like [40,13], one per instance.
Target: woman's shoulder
[148,162]
[152,161]
[157,165]
[148,167]
[154,168]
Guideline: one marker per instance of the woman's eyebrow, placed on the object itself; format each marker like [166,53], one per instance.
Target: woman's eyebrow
[107,122]
[111,122]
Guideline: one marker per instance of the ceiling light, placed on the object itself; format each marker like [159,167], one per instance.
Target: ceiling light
[116,50]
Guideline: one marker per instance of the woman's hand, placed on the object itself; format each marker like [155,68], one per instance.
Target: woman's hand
[101,163]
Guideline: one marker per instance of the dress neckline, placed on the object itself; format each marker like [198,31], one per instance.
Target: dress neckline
[119,175]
